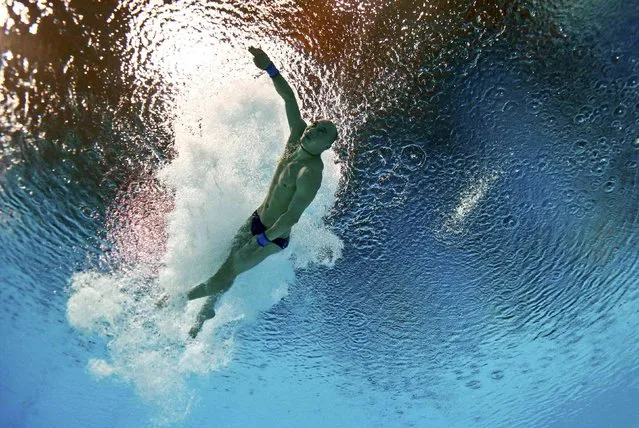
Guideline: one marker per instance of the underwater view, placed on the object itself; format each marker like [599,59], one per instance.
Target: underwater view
[470,259]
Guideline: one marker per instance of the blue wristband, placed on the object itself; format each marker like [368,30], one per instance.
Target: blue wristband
[262,240]
[272,71]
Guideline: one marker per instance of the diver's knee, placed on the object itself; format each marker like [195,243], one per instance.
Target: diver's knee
[232,268]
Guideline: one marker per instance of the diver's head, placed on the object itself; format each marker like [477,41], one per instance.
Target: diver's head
[318,136]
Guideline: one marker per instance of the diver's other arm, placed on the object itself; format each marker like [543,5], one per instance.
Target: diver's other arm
[308,183]
[295,122]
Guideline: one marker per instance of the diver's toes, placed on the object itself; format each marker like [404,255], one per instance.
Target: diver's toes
[196,329]
[201,319]
[193,332]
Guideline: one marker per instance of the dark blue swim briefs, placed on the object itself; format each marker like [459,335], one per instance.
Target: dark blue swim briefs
[258,227]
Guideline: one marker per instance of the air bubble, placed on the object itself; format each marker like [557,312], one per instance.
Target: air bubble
[412,157]
[580,118]
[535,104]
[616,124]
[580,146]
[497,375]
[598,170]
[620,111]
[518,172]
[510,221]
[610,185]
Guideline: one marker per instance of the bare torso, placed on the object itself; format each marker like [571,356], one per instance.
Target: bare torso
[282,187]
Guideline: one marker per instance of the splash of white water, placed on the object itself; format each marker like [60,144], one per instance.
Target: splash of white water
[227,147]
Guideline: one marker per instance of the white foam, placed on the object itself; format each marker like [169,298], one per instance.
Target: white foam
[227,146]
[95,304]
[100,368]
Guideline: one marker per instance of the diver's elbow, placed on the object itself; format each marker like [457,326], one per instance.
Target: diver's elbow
[291,219]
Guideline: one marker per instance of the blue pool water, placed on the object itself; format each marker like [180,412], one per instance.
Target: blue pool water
[470,261]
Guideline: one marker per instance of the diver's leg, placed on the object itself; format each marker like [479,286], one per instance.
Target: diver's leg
[224,277]
[238,261]
[251,254]
[221,279]
[218,283]
[214,287]
[207,312]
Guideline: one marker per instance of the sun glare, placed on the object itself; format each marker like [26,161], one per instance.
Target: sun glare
[178,44]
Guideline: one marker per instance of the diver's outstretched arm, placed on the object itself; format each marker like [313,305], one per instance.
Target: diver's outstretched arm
[295,122]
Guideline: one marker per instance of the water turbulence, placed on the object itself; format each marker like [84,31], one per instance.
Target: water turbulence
[218,176]
[172,230]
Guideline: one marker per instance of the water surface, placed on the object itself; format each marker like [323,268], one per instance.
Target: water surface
[471,259]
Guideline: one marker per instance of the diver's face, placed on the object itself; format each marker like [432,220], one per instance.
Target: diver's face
[319,136]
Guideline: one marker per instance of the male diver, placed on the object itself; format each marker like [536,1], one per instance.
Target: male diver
[297,178]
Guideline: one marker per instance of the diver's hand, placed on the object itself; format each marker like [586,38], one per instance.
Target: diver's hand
[173,302]
[260,58]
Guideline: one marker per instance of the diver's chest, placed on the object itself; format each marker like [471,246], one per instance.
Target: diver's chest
[287,173]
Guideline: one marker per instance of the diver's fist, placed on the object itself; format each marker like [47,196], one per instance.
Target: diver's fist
[260,59]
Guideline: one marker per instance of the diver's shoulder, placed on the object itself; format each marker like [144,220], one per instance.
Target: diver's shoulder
[315,165]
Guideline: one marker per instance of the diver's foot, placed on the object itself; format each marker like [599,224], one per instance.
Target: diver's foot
[201,319]
[167,301]
[195,330]
[206,313]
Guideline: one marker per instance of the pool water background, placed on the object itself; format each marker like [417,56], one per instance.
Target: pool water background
[474,259]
